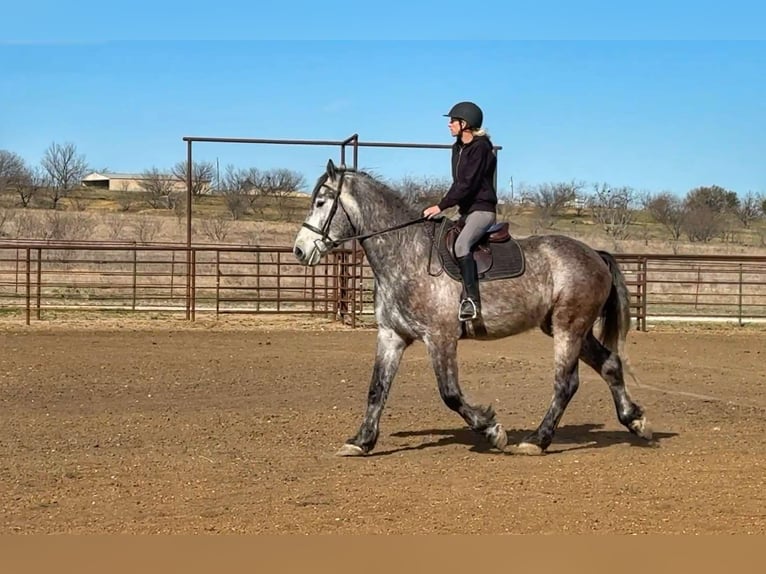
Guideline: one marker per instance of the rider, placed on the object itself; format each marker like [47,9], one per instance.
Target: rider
[473,191]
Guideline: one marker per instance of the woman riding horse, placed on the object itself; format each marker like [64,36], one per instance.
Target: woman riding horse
[473,191]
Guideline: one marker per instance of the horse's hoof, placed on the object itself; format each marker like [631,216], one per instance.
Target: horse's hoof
[526,448]
[350,450]
[642,428]
[498,437]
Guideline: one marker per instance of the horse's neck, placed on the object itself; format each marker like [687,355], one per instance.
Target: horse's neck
[394,253]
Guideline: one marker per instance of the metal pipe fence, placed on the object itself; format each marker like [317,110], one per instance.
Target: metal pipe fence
[43,276]
[37,277]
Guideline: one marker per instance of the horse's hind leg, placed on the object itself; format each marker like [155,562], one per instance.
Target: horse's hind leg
[443,354]
[388,355]
[608,364]
[566,346]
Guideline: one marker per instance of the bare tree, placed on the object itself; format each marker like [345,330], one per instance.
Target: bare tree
[505,205]
[202,175]
[236,202]
[252,187]
[701,223]
[146,228]
[667,210]
[13,171]
[65,169]
[422,192]
[6,218]
[159,188]
[707,210]
[614,209]
[124,200]
[217,227]
[16,177]
[28,225]
[67,227]
[749,209]
[177,202]
[234,189]
[550,199]
[115,224]
[33,187]
[281,185]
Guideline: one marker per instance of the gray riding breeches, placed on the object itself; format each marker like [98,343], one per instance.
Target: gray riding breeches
[476,223]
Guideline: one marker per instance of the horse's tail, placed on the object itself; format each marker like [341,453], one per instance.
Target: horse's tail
[615,315]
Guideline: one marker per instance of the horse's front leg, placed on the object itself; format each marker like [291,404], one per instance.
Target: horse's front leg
[388,355]
[443,354]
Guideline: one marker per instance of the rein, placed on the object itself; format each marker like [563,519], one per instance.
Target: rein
[361,237]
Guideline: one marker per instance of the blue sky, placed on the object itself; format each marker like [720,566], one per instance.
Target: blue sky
[657,98]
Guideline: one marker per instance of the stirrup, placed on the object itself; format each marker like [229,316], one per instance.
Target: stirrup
[468,310]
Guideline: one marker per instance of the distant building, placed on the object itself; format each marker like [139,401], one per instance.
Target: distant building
[125,181]
[577,203]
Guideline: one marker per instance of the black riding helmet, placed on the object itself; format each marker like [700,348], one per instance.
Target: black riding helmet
[468,112]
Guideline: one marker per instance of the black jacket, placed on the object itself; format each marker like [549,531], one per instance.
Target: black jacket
[473,177]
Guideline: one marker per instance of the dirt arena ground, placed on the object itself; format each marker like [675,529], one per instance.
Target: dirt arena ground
[231,426]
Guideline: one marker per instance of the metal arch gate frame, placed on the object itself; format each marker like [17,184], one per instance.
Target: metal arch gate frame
[352,140]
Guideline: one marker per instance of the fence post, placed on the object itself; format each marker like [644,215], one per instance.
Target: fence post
[172,272]
[193,277]
[740,295]
[697,290]
[17,269]
[642,291]
[217,282]
[39,280]
[258,280]
[279,281]
[29,285]
[135,278]
[352,281]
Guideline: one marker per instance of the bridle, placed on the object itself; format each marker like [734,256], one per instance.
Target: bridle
[324,231]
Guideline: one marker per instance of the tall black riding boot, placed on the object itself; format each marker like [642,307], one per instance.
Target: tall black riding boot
[470,306]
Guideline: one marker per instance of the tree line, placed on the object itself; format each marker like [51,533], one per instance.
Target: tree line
[701,215]
[62,169]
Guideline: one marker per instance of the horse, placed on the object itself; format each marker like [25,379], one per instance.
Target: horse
[567,288]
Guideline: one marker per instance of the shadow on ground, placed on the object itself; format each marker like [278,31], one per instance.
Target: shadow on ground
[568,438]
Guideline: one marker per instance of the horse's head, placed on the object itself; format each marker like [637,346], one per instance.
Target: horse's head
[327,222]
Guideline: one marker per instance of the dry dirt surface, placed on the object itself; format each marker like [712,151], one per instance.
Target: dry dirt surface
[218,427]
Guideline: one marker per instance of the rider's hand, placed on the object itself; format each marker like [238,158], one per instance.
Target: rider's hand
[432,211]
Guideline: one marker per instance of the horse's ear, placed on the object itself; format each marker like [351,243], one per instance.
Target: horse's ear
[331,169]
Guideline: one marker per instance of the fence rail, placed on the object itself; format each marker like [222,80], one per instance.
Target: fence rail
[40,276]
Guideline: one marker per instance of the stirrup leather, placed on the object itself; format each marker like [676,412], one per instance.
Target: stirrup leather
[468,310]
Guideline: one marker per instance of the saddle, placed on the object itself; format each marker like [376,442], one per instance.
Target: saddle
[497,254]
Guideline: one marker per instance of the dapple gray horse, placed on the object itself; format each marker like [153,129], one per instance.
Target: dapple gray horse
[566,289]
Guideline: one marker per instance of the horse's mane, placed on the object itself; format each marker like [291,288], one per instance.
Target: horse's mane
[367,183]
[392,197]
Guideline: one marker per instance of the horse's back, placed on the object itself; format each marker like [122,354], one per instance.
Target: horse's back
[561,249]
[569,262]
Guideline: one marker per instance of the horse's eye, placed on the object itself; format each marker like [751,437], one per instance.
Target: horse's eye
[319,202]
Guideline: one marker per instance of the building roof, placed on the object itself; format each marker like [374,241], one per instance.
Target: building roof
[106,176]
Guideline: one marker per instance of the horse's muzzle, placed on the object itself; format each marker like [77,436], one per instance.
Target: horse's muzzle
[308,256]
